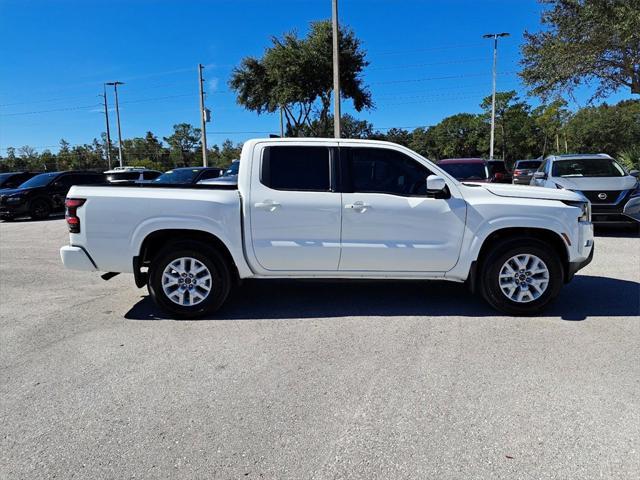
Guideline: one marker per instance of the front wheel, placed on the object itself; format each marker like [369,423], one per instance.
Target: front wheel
[521,277]
[40,209]
[189,279]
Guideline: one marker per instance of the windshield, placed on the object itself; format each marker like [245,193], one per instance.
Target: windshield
[232,170]
[530,165]
[181,175]
[587,167]
[39,180]
[466,171]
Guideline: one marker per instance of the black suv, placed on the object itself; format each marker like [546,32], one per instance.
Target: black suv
[14,179]
[43,194]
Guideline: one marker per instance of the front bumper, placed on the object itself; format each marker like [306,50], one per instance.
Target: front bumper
[76,258]
[14,210]
[575,266]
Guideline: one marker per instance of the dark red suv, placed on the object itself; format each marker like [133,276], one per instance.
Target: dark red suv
[476,170]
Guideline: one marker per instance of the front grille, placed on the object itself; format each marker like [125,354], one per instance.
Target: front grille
[611,196]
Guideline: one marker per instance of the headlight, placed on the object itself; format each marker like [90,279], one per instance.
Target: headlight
[585,216]
[14,199]
[585,210]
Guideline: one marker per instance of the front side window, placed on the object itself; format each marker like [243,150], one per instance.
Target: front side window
[587,167]
[380,170]
[296,168]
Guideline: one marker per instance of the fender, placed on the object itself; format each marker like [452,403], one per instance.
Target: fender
[476,235]
[230,235]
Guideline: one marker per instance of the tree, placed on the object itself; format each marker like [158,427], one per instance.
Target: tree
[297,75]
[551,121]
[515,135]
[606,128]
[586,40]
[182,143]
[351,128]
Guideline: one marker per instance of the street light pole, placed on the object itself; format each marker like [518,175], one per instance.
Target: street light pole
[203,116]
[336,72]
[495,37]
[115,89]
[106,118]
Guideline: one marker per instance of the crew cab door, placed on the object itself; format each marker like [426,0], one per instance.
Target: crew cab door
[389,223]
[294,208]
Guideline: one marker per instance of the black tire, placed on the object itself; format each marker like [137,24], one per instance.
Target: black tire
[215,263]
[499,255]
[39,209]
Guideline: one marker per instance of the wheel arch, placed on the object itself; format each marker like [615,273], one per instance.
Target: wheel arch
[155,241]
[548,236]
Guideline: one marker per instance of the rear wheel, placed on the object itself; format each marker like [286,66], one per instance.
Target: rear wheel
[40,209]
[189,279]
[521,277]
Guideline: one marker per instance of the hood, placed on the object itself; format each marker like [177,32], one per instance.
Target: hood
[540,193]
[12,191]
[596,183]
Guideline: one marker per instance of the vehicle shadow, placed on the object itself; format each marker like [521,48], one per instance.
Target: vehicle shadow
[630,231]
[53,216]
[584,297]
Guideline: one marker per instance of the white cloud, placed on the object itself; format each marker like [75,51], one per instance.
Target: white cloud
[213,84]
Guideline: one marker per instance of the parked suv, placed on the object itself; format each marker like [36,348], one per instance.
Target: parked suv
[476,170]
[14,179]
[43,194]
[131,175]
[188,175]
[523,170]
[605,183]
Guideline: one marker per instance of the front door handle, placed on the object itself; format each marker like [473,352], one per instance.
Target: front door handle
[268,205]
[358,206]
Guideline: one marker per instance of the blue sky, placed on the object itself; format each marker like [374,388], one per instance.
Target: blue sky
[428,61]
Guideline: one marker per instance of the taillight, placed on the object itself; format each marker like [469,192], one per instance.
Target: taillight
[517,172]
[72,205]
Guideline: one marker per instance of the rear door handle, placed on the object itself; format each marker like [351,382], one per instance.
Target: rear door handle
[358,206]
[268,205]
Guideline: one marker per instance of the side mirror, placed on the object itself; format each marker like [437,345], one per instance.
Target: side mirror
[632,209]
[437,187]
[540,175]
[634,173]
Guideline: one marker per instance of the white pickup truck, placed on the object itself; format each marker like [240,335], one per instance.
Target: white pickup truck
[324,208]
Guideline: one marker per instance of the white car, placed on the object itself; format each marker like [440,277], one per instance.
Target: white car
[326,208]
[604,182]
[131,175]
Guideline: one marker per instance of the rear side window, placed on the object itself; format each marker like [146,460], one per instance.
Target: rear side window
[210,174]
[296,168]
[150,175]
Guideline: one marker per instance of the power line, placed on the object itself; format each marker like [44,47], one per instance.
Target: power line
[446,77]
[415,65]
[65,109]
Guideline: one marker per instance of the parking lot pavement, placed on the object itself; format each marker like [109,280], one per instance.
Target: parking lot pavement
[293,380]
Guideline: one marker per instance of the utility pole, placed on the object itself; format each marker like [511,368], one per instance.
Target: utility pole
[203,116]
[115,89]
[495,37]
[336,72]
[106,118]
[281,124]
